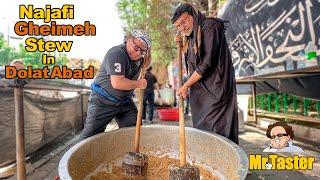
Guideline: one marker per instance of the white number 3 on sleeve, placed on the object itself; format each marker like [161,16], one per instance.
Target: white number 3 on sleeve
[118,67]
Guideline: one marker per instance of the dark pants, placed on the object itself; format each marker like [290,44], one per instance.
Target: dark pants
[186,109]
[101,111]
[148,100]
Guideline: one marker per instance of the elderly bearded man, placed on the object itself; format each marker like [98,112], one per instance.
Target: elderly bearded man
[212,83]
[112,90]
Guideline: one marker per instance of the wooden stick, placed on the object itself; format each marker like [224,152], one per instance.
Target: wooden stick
[20,138]
[182,136]
[140,107]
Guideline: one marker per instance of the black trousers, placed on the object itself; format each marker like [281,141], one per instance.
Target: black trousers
[101,111]
[148,101]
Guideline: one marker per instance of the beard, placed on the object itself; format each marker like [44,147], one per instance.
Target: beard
[188,33]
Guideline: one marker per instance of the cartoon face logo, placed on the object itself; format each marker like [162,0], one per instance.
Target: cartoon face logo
[281,135]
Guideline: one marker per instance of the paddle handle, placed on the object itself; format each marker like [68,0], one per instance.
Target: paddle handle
[182,136]
[140,107]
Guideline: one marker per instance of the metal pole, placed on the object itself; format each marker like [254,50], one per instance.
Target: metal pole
[295,104]
[285,103]
[277,103]
[19,122]
[305,106]
[269,102]
[262,102]
[254,93]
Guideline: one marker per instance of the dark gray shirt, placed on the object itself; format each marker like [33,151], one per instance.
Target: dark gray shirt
[117,62]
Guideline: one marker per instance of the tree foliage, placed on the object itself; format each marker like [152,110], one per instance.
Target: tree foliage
[7,54]
[154,16]
[134,13]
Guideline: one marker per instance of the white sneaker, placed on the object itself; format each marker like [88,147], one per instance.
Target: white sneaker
[144,121]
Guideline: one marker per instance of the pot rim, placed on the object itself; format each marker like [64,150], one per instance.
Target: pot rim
[243,159]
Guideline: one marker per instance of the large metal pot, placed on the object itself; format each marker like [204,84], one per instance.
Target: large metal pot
[227,158]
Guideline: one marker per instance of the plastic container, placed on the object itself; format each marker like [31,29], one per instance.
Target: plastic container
[167,97]
[169,114]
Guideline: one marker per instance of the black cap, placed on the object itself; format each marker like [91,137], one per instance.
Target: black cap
[180,10]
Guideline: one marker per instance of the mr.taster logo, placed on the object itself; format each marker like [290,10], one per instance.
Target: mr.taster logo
[281,140]
[276,162]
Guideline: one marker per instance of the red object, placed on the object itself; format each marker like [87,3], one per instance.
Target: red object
[169,114]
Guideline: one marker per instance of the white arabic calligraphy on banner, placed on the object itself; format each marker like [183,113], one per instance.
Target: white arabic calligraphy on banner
[279,40]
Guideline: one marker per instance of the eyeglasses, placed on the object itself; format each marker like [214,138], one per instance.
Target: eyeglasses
[137,48]
[279,136]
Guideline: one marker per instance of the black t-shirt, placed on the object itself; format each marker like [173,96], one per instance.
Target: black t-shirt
[117,62]
[151,80]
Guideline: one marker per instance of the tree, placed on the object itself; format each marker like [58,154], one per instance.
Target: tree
[5,52]
[34,59]
[154,17]
[61,59]
[162,31]
[134,13]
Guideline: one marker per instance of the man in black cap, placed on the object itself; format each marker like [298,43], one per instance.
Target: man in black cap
[212,83]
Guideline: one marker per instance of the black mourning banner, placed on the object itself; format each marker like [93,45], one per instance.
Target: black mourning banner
[269,36]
